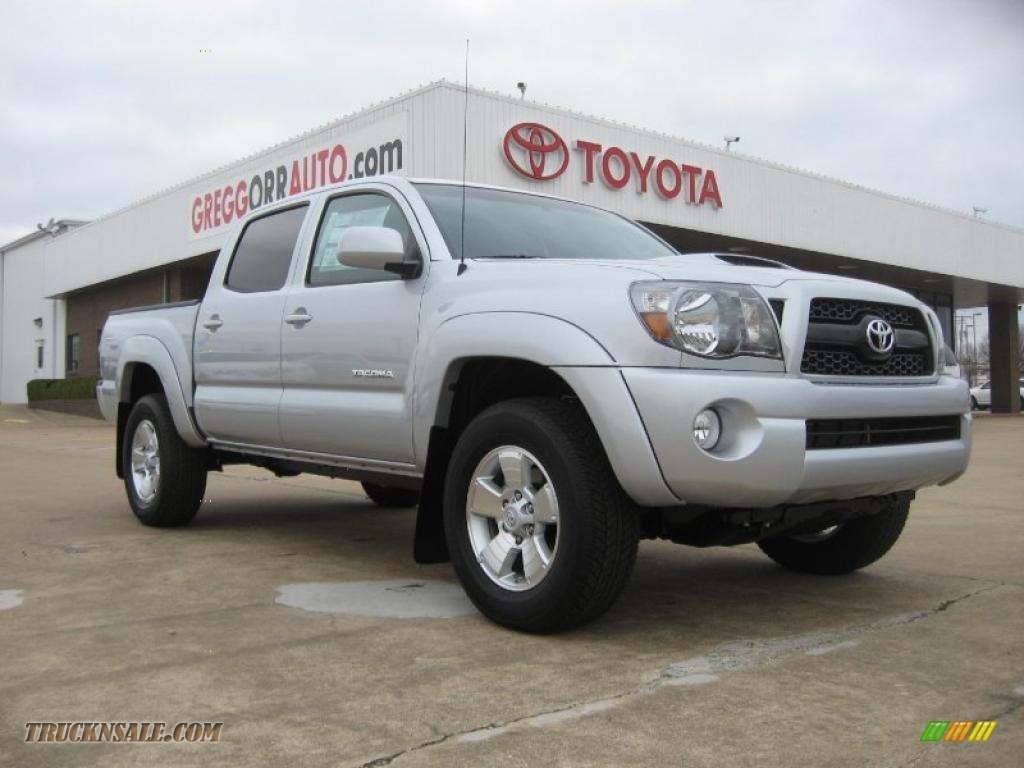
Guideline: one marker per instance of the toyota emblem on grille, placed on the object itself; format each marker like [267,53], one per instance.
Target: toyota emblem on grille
[880,336]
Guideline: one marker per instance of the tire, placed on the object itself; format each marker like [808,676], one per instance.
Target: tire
[583,523]
[974,403]
[180,477]
[853,545]
[391,497]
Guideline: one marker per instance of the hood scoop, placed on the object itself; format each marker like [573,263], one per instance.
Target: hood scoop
[740,260]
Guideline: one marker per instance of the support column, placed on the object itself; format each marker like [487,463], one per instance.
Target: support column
[1004,349]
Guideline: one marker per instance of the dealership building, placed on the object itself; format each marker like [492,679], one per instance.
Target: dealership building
[58,284]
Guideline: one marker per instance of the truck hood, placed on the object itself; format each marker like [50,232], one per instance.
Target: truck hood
[708,267]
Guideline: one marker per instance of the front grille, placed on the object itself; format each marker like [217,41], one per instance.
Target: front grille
[858,433]
[836,344]
[851,310]
[844,362]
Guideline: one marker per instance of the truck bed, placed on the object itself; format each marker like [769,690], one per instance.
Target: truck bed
[172,325]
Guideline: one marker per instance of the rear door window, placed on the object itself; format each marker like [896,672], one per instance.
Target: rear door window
[264,252]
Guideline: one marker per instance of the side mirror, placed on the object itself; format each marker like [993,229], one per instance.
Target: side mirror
[375,248]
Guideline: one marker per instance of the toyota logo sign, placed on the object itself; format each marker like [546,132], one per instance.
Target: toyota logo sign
[536,151]
[880,337]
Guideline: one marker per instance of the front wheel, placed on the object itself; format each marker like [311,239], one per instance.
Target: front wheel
[164,477]
[540,533]
[841,548]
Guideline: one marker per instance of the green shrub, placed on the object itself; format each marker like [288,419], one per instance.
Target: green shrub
[77,388]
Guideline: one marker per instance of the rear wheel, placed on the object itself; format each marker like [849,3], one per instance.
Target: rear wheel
[540,533]
[164,477]
[389,496]
[840,548]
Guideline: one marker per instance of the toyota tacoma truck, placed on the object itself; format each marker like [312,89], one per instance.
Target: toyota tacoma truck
[547,382]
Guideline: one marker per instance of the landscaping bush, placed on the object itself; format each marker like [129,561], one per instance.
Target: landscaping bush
[77,388]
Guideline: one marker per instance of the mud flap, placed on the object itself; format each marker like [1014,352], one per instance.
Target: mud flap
[430,545]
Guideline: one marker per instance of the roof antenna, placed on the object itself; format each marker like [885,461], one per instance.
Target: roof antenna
[465,133]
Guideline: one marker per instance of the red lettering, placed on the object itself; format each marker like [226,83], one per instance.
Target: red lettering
[308,181]
[614,153]
[296,186]
[241,198]
[692,171]
[589,150]
[710,190]
[659,179]
[228,196]
[321,157]
[336,153]
[197,215]
[207,206]
[643,171]
[216,208]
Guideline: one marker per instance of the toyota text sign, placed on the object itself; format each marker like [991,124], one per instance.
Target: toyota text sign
[537,152]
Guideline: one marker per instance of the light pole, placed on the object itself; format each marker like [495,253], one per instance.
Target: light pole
[974,331]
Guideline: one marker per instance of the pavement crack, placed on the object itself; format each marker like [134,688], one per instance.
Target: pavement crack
[481,733]
[377,762]
[1011,707]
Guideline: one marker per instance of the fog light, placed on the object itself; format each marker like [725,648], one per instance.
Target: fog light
[707,428]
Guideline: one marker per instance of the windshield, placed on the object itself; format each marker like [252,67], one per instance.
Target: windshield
[502,224]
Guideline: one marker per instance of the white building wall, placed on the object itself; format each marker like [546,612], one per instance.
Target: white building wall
[21,302]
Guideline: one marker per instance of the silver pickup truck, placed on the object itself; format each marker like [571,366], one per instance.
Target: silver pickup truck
[547,382]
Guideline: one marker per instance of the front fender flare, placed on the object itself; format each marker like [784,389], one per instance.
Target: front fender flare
[536,338]
[569,351]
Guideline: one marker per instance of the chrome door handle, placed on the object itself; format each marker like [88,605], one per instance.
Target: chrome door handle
[298,318]
[213,323]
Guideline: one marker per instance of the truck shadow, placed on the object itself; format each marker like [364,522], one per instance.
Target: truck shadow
[677,594]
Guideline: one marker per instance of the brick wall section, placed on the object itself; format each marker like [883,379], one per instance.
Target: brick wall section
[87,310]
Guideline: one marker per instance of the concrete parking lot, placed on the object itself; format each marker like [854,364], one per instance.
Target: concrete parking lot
[711,657]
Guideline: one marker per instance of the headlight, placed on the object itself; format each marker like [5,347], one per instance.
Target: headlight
[707,319]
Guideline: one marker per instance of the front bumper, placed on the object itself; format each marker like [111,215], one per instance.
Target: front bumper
[762,460]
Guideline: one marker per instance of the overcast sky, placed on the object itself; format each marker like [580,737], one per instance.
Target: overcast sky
[102,103]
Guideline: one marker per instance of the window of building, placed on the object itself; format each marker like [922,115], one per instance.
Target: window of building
[73,358]
[366,210]
[40,354]
[264,252]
